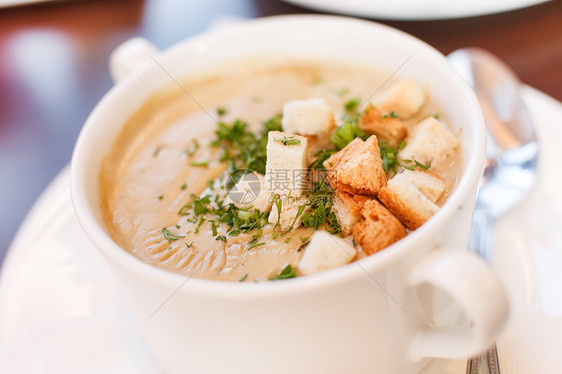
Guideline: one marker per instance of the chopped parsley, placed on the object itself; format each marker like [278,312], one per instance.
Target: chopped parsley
[160,197]
[390,162]
[344,134]
[194,147]
[412,164]
[221,111]
[273,124]
[200,163]
[321,215]
[286,273]
[288,140]
[189,245]
[221,238]
[351,105]
[241,148]
[183,186]
[389,155]
[391,115]
[243,278]
[321,156]
[253,244]
[201,221]
[169,236]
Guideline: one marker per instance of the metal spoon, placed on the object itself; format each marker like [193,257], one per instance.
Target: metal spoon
[511,162]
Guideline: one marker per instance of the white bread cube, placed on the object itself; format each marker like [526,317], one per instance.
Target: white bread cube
[324,252]
[411,197]
[429,184]
[348,209]
[308,117]
[289,213]
[431,141]
[245,190]
[286,165]
[405,98]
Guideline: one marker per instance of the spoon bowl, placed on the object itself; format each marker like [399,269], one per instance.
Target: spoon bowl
[511,155]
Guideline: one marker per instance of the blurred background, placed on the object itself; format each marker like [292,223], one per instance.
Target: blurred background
[53,68]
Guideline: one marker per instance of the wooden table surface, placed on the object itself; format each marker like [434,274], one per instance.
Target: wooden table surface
[53,68]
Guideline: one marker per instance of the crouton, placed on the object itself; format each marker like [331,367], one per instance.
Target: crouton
[324,252]
[308,117]
[411,197]
[405,98]
[289,213]
[348,209]
[431,141]
[286,165]
[357,168]
[249,192]
[384,126]
[378,229]
[429,184]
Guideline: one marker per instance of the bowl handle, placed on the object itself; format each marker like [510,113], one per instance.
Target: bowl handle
[471,283]
[131,56]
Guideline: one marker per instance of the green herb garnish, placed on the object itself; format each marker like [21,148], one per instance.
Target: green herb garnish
[221,111]
[160,197]
[351,105]
[243,278]
[200,163]
[183,186]
[286,273]
[169,236]
[253,244]
[389,156]
[391,114]
[288,140]
[221,237]
[344,134]
[321,156]
[189,245]
[191,151]
[321,215]
[201,221]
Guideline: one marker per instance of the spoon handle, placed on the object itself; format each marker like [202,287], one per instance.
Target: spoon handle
[481,240]
[475,366]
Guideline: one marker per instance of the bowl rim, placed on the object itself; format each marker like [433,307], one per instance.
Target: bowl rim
[99,237]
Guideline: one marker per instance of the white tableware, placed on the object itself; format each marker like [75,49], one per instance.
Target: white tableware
[61,310]
[375,315]
[416,9]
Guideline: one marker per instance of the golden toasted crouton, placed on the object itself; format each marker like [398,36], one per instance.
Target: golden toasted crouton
[384,126]
[357,168]
[348,209]
[324,252]
[405,98]
[308,117]
[411,197]
[378,229]
[431,141]
[286,165]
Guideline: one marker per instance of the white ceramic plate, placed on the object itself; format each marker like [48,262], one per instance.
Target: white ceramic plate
[415,9]
[61,310]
